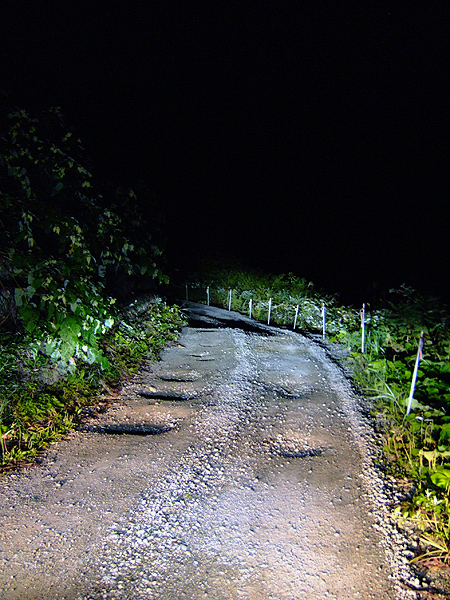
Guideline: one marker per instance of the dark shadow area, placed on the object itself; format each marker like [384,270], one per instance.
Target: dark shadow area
[200,316]
[124,429]
[172,396]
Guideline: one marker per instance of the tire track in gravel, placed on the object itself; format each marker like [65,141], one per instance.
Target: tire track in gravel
[265,488]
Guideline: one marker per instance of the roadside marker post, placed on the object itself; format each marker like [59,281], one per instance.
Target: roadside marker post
[270,310]
[416,370]
[363,328]
[250,306]
[229,299]
[296,317]
[323,321]
[207,296]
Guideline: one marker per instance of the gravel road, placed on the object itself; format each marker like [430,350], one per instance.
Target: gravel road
[240,466]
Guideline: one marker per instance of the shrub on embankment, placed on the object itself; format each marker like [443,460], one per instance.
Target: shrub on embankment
[66,247]
[40,401]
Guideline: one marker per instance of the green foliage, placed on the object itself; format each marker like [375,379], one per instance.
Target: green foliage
[39,403]
[63,245]
[67,247]
[140,334]
[429,511]
[286,291]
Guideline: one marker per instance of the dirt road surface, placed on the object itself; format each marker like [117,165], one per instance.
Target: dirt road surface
[240,466]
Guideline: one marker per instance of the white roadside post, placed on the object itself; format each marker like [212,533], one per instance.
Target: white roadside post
[187,293]
[416,370]
[296,317]
[363,328]
[229,299]
[207,295]
[323,321]
[250,308]
[270,310]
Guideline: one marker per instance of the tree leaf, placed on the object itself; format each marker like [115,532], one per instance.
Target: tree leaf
[441,478]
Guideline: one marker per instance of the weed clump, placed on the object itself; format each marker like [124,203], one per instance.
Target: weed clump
[39,402]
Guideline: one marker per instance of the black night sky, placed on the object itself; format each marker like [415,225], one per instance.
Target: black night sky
[292,136]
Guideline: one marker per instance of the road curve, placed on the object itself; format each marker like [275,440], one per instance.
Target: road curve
[238,467]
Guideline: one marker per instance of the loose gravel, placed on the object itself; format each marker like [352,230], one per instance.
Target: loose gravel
[263,486]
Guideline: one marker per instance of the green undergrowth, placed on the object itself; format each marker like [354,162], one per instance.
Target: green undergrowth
[70,247]
[286,291]
[40,401]
[416,445]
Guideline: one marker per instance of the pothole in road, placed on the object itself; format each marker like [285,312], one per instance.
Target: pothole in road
[299,453]
[292,448]
[159,396]
[130,429]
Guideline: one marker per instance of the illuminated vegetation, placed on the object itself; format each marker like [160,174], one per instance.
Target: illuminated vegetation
[65,250]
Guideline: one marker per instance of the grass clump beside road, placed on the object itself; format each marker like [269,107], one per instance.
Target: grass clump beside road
[416,445]
[40,401]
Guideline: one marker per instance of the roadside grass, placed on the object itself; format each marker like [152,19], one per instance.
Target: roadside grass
[416,445]
[40,403]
